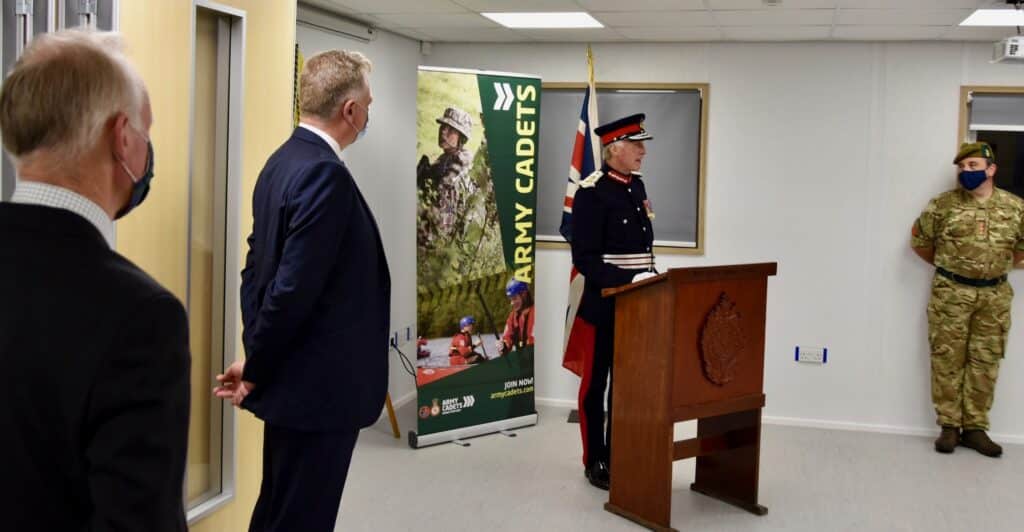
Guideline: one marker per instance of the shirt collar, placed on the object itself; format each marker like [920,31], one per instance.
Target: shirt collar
[327,138]
[35,193]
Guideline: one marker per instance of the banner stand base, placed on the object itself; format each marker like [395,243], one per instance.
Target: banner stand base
[417,442]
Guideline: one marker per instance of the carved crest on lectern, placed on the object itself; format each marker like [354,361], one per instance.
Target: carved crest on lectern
[721,341]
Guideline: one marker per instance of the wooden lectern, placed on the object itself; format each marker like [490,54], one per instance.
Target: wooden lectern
[689,344]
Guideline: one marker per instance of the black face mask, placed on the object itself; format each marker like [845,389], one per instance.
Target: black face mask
[972,179]
[140,187]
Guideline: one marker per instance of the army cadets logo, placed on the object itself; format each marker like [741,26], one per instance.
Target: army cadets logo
[436,409]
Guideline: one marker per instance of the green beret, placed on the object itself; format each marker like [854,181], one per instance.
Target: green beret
[974,149]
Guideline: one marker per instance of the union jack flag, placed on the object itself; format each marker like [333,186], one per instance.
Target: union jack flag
[578,340]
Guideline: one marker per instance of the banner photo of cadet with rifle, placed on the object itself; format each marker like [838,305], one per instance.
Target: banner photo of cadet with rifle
[477,135]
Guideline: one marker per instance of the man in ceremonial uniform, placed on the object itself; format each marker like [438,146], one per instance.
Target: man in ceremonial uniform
[973,235]
[611,246]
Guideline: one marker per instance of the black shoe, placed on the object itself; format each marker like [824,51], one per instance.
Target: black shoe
[947,440]
[979,441]
[598,475]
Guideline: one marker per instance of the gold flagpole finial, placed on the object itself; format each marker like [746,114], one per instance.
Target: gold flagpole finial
[590,64]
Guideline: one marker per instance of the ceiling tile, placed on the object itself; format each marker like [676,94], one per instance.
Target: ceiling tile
[916,4]
[350,13]
[690,34]
[967,33]
[759,4]
[401,6]
[415,35]
[575,35]
[777,33]
[519,5]
[888,33]
[641,5]
[775,17]
[473,35]
[435,20]
[901,17]
[655,19]
[334,7]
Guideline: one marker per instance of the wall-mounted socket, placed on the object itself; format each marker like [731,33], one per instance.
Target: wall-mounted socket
[811,355]
[400,336]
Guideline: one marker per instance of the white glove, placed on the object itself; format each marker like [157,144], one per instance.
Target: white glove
[642,275]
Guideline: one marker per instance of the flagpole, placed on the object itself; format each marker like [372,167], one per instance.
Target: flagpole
[592,110]
[577,333]
[590,65]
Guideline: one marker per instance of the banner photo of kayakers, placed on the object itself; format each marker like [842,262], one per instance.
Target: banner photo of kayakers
[477,136]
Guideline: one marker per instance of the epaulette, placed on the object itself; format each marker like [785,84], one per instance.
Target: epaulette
[591,180]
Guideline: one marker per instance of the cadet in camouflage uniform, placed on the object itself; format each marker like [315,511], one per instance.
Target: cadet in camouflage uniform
[973,235]
[449,174]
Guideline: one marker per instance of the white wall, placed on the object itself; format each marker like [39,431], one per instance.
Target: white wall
[820,157]
[382,163]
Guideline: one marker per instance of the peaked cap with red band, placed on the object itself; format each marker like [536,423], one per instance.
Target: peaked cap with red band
[628,128]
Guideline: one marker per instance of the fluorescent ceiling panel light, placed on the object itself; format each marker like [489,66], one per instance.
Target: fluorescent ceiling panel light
[567,19]
[995,17]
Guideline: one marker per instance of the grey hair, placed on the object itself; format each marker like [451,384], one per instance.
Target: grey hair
[62,92]
[606,152]
[329,79]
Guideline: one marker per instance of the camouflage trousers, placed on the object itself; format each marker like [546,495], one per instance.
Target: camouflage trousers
[967,329]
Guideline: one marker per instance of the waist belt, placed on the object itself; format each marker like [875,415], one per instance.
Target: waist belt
[967,280]
[630,261]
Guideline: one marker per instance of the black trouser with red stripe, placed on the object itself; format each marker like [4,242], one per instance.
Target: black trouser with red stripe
[597,375]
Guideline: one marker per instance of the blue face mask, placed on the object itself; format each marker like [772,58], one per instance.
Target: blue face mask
[972,179]
[140,186]
[366,125]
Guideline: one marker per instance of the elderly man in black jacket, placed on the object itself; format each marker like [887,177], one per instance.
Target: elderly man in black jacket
[94,391]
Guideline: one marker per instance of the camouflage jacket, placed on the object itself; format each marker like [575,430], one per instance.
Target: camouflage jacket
[449,169]
[972,238]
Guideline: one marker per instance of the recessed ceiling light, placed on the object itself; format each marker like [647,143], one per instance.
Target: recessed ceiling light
[995,17]
[568,19]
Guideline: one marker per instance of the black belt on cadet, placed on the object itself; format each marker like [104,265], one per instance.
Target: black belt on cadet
[968,281]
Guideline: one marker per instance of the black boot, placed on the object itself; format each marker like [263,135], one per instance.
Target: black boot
[597,474]
[946,443]
[979,441]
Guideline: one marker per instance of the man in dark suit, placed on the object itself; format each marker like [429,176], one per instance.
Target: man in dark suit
[94,392]
[315,304]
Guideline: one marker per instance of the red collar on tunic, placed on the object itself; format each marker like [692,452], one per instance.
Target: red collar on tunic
[620,178]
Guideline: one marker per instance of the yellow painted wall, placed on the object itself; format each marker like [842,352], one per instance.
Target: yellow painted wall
[159,37]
